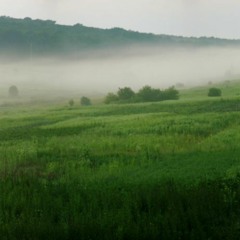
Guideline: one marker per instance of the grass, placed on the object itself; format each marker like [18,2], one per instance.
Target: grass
[167,170]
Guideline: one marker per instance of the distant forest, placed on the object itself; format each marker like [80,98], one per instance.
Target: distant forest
[27,37]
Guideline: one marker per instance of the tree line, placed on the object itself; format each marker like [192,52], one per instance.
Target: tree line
[47,37]
[145,94]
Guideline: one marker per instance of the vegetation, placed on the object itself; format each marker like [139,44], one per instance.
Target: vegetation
[145,94]
[71,102]
[214,92]
[148,94]
[13,91]
[85,101]
[159,170]
[111,98]
[29,37]
[125,94]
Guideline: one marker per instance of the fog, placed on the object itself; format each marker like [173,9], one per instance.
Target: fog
[95,76]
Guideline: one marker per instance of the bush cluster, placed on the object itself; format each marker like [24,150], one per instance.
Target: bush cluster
[84,101]
[214,92]
[145,94]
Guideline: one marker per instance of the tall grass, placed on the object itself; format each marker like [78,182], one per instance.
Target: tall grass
[145,171]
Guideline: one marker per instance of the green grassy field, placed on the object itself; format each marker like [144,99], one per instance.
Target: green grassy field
[167,170]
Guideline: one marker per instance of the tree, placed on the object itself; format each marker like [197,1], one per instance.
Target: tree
[71,102]
[214,92]
[111,98]
[170,94]
[85,101]
[13,91]
[148,94]
[125,93]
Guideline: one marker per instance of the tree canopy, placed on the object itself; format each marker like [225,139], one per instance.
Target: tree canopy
[145,94]
[46,37]
[85,101]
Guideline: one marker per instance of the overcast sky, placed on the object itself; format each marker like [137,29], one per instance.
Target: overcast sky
[219,18]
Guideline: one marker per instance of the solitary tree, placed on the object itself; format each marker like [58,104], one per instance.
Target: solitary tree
[13,91]
[71,102]
[85,101]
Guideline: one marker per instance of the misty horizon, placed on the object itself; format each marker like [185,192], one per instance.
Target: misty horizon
[74,61]
[51,77]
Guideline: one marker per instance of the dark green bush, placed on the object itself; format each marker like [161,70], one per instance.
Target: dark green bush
[214,92]
[125,93]
[85,101]
[111,98]
[145,94]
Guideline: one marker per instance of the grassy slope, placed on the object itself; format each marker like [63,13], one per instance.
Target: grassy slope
[104,171]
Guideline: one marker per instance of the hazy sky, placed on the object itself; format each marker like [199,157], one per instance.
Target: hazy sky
[218,18]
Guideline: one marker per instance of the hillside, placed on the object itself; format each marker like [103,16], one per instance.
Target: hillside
[41,37]
[167,170]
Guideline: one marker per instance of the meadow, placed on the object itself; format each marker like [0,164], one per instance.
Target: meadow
[166,170]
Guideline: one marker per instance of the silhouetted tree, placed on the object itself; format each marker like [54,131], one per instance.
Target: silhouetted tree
[111,98]
[149,94]
[71,102]
[85,101]
[13,91]
[125,93]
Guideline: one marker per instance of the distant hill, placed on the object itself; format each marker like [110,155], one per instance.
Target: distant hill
[27,37]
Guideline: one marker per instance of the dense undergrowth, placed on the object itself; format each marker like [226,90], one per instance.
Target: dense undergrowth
[115,209]
[145,171]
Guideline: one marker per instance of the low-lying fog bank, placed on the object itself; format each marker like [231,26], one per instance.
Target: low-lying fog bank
[52,78]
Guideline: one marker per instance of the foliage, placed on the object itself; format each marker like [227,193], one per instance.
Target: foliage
[125,94]
[71,102]
[145,94]
[132,171]
[111,98]
[214,92]
[46,37]
[85,101]
[13,91]
[148,94]
[170,94]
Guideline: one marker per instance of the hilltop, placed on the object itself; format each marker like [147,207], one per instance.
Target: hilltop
[45,37]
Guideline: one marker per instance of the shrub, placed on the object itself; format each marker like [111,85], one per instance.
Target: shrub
[111,98]
[125,93]
[145,94]
[71,102]
[214,92]
[170,94]
[148,94]
[85,101]
[13,91]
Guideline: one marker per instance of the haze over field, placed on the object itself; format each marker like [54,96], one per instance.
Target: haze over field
[115,58]
[96,76]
